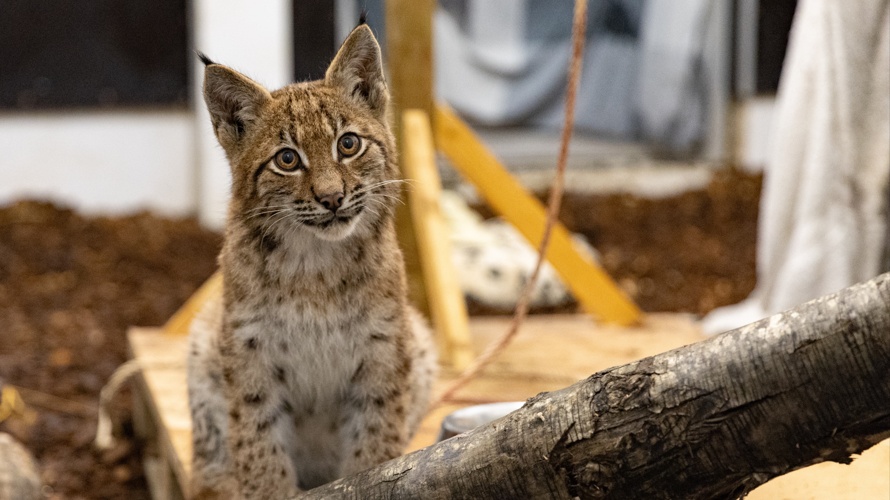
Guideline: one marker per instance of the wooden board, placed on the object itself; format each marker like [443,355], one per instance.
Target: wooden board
[868,477]
[163,399]
[550,352]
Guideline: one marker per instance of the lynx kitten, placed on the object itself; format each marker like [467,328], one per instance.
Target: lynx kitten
[312,365]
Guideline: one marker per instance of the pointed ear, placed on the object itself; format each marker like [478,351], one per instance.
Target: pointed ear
[357,70]
[234,102]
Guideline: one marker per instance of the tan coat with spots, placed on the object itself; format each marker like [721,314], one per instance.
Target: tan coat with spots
[313,365]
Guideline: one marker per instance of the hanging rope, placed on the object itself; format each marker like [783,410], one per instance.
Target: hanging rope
[579,29]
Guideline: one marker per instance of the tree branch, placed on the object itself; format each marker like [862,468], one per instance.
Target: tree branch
[710,420]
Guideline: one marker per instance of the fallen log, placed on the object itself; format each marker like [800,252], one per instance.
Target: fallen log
[710,420]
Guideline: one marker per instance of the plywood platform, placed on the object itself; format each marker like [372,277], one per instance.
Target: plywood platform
[550,352]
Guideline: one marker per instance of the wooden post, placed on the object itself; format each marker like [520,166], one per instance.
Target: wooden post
[409,27]
[446,299]
[410,63]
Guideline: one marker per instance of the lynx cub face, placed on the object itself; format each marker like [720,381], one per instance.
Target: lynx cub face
[311,365]
[313,155]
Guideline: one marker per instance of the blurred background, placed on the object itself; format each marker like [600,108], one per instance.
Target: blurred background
[112,88]
[113,189]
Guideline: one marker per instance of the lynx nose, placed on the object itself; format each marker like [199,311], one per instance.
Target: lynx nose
[331,201]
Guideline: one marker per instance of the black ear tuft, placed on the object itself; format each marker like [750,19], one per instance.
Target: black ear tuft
[204,59]
[363,18]
[234,102]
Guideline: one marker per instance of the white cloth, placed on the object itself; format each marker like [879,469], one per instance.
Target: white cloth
[493,261]
[823,222]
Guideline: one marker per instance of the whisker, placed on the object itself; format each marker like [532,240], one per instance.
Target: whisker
[371,187]
[261,214]
[380,203]
[264,208]
[391,197]
[270,227]
[293,230]
[390,181]
[373,211]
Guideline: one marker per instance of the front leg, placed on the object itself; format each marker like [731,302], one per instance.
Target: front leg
[376,409]
[255,408]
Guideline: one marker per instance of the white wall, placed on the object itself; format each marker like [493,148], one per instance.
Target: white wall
[100,161]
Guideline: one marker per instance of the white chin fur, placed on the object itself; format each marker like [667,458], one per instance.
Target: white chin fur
[337,232]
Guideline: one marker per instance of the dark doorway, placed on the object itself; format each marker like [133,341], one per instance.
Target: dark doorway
[89,53]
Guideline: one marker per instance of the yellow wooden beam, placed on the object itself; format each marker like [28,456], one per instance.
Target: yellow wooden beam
[179,323]
[593,288]
[446,300]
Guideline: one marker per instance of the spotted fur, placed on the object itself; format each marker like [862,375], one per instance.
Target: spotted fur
[312,365]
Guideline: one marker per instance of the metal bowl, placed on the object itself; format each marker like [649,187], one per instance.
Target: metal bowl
[467,419]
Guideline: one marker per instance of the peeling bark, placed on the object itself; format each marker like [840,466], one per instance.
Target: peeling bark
[710,420]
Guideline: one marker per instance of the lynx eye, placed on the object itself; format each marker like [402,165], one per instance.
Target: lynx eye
[287,160]
[349,144]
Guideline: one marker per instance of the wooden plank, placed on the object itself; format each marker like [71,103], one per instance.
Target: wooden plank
[162,387]
[549,353]
[593,288]
[409,47]
[445,297]
[868,477]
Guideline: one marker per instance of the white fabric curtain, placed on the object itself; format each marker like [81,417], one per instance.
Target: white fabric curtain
[823,222]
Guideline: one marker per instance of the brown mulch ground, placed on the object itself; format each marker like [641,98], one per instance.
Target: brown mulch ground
[689,253]
[69,288]
[71,285]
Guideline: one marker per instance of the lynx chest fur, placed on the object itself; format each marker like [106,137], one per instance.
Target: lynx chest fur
[312,365]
